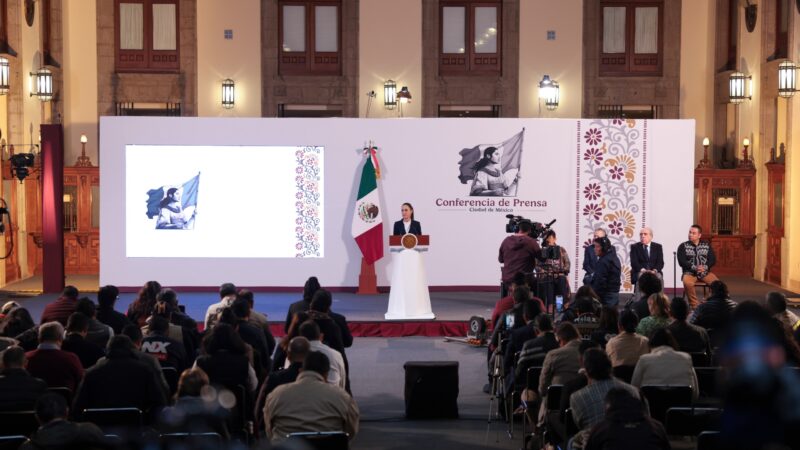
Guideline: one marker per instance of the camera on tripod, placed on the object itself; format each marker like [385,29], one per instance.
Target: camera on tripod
[537,228]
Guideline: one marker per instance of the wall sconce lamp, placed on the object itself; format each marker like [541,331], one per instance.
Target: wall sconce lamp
[746,162]
[737,88]
[4,74]
[787,79]
[549,92]
[228,93]
[83,160]
[390,94]
[705,163]
[44,84]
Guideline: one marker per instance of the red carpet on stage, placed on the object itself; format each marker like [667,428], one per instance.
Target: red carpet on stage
[428,328]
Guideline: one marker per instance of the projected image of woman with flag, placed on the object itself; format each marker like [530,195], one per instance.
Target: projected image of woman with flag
[176,208]
[493,169]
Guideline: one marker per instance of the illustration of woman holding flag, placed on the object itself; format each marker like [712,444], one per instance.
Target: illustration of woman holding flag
[172,215]
[490,180]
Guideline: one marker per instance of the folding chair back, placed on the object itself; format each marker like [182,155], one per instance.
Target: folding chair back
[692,421]
[663,397]
[624,373]
[12,442]
[700,359]
[62,391]
[183,441]
[709,440]
[111,419]
[707,381]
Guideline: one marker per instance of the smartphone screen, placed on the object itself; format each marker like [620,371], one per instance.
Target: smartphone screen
[509,321]
[559,303]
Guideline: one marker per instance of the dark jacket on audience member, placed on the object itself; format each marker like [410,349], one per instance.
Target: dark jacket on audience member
[255,337]
[516,340]
[88,352]
[99,333]
[167,351]
[341,321]
[121,380]
[115,319]
[690,338]
[533,353]
[641,308]
[294,308]
[19,390]
[627,429]
[275,379]
[225,369]
[713,314]
[61,434]
[56,367]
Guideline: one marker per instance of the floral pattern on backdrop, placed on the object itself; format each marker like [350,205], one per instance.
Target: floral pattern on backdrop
[611,187]
[308,204]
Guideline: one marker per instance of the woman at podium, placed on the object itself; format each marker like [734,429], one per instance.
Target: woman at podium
[407,224]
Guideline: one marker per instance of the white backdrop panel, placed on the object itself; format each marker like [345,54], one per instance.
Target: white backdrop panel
[420,164]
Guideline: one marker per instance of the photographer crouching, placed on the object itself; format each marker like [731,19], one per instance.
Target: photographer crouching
[518,253]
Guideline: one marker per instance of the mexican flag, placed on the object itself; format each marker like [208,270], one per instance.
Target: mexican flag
[367,223]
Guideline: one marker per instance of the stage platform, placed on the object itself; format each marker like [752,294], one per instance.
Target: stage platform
[365,312]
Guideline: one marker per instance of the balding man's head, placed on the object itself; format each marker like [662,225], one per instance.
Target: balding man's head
[646,235]
[298,349]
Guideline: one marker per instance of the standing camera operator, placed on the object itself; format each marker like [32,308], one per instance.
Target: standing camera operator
[555,263]
[517,254]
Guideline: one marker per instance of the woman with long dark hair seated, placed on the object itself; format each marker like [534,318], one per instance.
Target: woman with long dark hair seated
[142,307]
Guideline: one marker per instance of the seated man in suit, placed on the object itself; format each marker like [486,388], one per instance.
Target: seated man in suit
[646,256]
[407,224]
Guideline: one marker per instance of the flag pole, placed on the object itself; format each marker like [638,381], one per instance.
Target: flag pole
[367,278]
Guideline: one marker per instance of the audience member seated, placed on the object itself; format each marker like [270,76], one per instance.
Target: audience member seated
[297,351]
[57,433]
[180,334]
[506,303]
[309,289]
[562,364]
[776,305]
[534,350]
[178,317]
[555,422]
[106,299]
[121,380]
[257,319]
[279,360]
[625,348]
[332,334]
[607,326]
[76,342]
[134,333]
[626,426]
[586,313]
[658,318]
[310,404]
[323,304]
[168,351]
[224,359]
[56,367]
[19,325]
[141,308]
[665,365]
[588,404]
[337,375]
[761,404]
[61,308]
[509,320]
[520,335]
[715,313]
[227,294]
[193,412]
[18,389]
[690,338]
[252,335]
[99,333]
[648,284]
[7,307]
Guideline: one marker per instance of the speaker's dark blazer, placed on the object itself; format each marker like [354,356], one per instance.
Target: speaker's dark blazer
[640,261]
[415,228]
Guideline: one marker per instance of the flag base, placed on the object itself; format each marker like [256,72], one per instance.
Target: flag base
[367,280]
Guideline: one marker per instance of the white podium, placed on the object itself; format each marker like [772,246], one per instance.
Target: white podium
[409,298]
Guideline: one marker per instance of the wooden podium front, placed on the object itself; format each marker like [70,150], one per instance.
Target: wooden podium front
[409,298]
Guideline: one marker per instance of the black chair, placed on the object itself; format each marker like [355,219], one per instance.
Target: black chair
[709,440]
[171,375]
[12,442]
[700,359]
[624,373]
[13,423]
[663,397]
[112,419]
[183,441]
[62,391]
[692,421]
[570,427]
[707,382]
[323,440]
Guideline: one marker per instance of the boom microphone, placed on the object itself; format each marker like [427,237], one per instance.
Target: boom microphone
[510,216]
[551,223]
